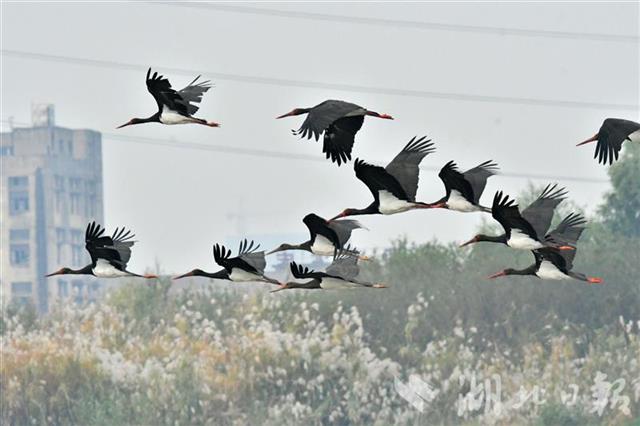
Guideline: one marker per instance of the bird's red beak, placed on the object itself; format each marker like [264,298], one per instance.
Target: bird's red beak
[566,248]
[591,139]
[289,114]
[594,280]
[342,214]
[150,276]
[58,272]
[124,125]
[386,116]
[188,274]
[496,275]
[442,205]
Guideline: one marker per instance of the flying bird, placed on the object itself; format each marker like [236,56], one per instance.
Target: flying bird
[612,133]
[551,264]
[526,230]
[341,274]
[248,266]
[326,238]
[339,121]
[393,187]
[463,190]
[109,255]
[174,107]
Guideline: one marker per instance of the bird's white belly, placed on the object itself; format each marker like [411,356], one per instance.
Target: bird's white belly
[322,246]
[104,269]
[390,204]
[521,241]
[240,275]
[337,284]
[548,271]
[635,136]
[460,204]
[169,116]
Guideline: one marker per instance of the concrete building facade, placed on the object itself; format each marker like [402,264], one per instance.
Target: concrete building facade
[51,188]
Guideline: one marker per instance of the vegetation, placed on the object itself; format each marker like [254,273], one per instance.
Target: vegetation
[149,355]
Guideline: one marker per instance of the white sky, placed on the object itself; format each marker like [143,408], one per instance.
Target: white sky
[180,201]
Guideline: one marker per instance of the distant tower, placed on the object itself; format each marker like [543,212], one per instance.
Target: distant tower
[51,188]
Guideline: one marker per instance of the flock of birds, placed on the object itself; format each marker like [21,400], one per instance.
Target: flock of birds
[393,189]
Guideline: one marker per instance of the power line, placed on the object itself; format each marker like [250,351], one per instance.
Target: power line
[419,25]
[321,85]
[227,149]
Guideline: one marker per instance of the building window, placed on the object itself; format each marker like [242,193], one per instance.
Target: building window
[19,234]
[6,150]
[77,247]
[59,191]
[63,289]
[18,194]
[19,254]
[75,195]
[75,203]
[61,240]
[21,292]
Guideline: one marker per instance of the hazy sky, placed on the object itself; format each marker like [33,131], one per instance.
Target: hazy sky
[179,201]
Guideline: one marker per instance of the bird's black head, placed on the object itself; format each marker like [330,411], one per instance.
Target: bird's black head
[503,273]
[194,273]
[482,237]
[295,111]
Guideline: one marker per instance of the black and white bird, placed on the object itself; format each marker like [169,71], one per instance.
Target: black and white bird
[393,187]
[341,274]
[552,264]
[248,266]
[174,107]
[463,190]
[326,237]
[526,230]
[339,121]
[612,133]
[109,255]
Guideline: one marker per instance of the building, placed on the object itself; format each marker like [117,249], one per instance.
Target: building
[51,188]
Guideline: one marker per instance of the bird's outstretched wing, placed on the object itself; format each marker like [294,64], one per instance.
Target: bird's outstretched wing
[405,166]
[477,177]
[613,132]
[192,94]
[540,213]
[453,179]
[345,264]
[506,212]
[301,272]
[164,94]
[248,252]
[221,255]
[322,115]
[339,138]
[115,249]
[343,229]
[562,259]
[377,179]
[568,232]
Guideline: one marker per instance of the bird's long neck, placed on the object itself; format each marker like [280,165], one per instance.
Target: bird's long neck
[306,246]
[493,238]
[151,119]
[314,283]
[531,270]
[373,208]
[87,270]
[220,275]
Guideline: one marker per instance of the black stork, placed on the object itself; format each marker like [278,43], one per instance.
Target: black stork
[612,133]
[341,274]
[339,121]
[552,264]
[109,255]
[393,187]
[463,190]
[326,238]
[174,107]
[526,230]
[248,266]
